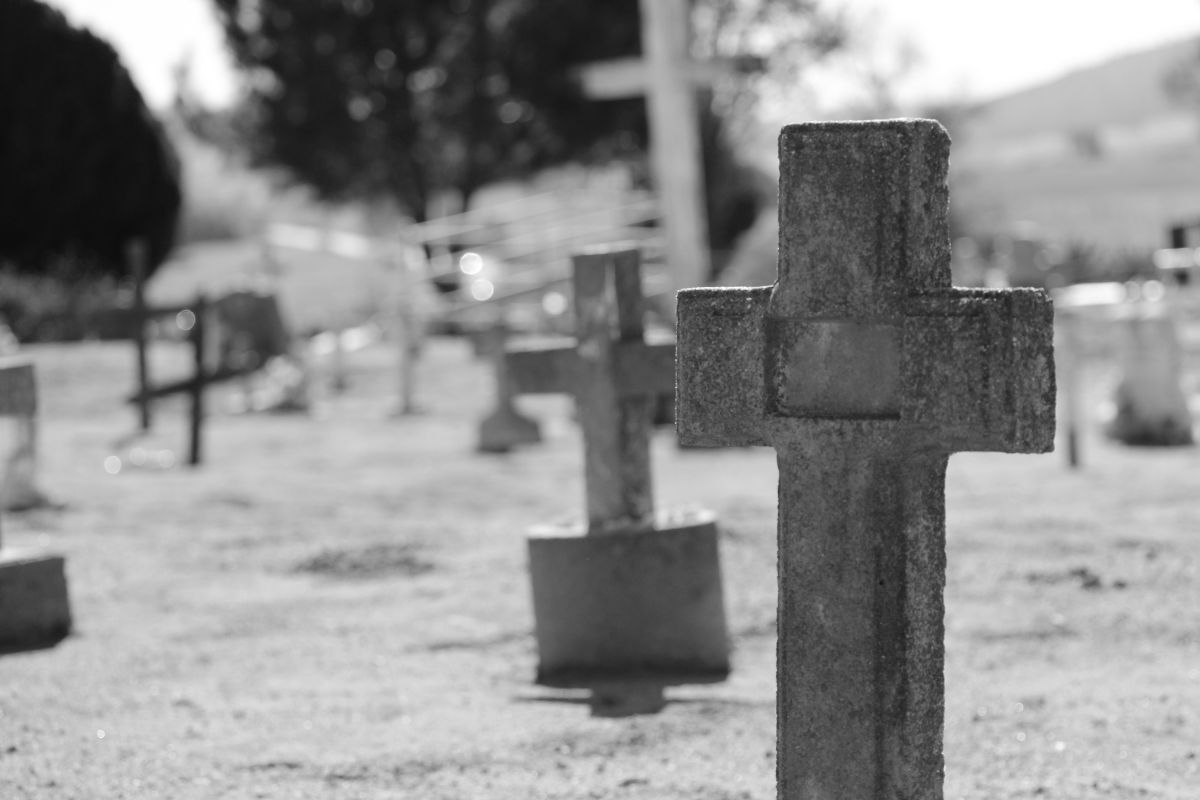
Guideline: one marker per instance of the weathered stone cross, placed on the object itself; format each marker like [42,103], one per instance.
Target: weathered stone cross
[615,383]
[864,370]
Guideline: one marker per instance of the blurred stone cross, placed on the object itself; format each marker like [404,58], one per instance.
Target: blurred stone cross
[631,601]
[865,370]
[614,380]
[504,427]
[668,78]
[34,608]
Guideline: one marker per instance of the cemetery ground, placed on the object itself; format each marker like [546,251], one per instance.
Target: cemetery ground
[336,606]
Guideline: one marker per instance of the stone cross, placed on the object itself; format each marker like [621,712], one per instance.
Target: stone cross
[615,382]
[865,370]
[504,427]
[630,602]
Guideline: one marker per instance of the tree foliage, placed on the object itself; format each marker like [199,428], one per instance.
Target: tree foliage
[85,165]
[406,99]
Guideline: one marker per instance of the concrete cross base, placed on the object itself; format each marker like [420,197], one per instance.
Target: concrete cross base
[506,428]
[34,608]
[626,613]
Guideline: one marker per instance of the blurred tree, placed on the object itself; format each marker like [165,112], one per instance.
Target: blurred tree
[406,99]
[85,165]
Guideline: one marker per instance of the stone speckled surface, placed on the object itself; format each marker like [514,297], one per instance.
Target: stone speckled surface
[865,370]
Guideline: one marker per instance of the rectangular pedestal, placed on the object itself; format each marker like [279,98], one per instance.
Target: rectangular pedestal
[627,607]
[34,607]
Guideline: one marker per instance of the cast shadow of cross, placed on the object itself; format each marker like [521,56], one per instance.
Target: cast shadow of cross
[865,370]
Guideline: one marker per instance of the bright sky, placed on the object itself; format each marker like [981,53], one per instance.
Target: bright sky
[982,48]
[968,48]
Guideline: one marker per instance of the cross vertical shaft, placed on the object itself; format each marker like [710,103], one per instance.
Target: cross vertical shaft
[865,370]
[864,592]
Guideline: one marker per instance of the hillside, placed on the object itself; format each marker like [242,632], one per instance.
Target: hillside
[1103,155]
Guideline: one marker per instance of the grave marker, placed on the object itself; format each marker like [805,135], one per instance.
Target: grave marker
[864,370]
[34,607]
[504,427]
[631,601]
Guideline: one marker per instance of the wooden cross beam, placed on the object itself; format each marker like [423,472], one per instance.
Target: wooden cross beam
[667,77]
[864,370]
[18,392]
[615,380]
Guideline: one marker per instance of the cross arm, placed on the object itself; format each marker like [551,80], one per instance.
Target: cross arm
[640,369]
[719,387]
[977,369]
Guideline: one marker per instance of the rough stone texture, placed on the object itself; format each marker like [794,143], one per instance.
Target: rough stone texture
[864,370]
[34,607]
[631,601]
[630,606]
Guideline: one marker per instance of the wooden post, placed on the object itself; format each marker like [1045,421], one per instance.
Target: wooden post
[410,312]
[865,370]
[196,426]
[136,254]
[667,78]
[675,140]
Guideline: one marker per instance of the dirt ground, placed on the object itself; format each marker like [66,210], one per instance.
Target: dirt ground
[336,606]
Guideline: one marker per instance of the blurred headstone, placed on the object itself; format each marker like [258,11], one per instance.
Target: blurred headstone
[19,491]
[1150,405]
[631,601]
[865,371]
[504,427]
[34,607]
[252,340]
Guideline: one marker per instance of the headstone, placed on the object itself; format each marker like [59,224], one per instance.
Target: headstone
[864,369]
[504,427]
[1150,405]
[135,255]
[630,601]
[34,607]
